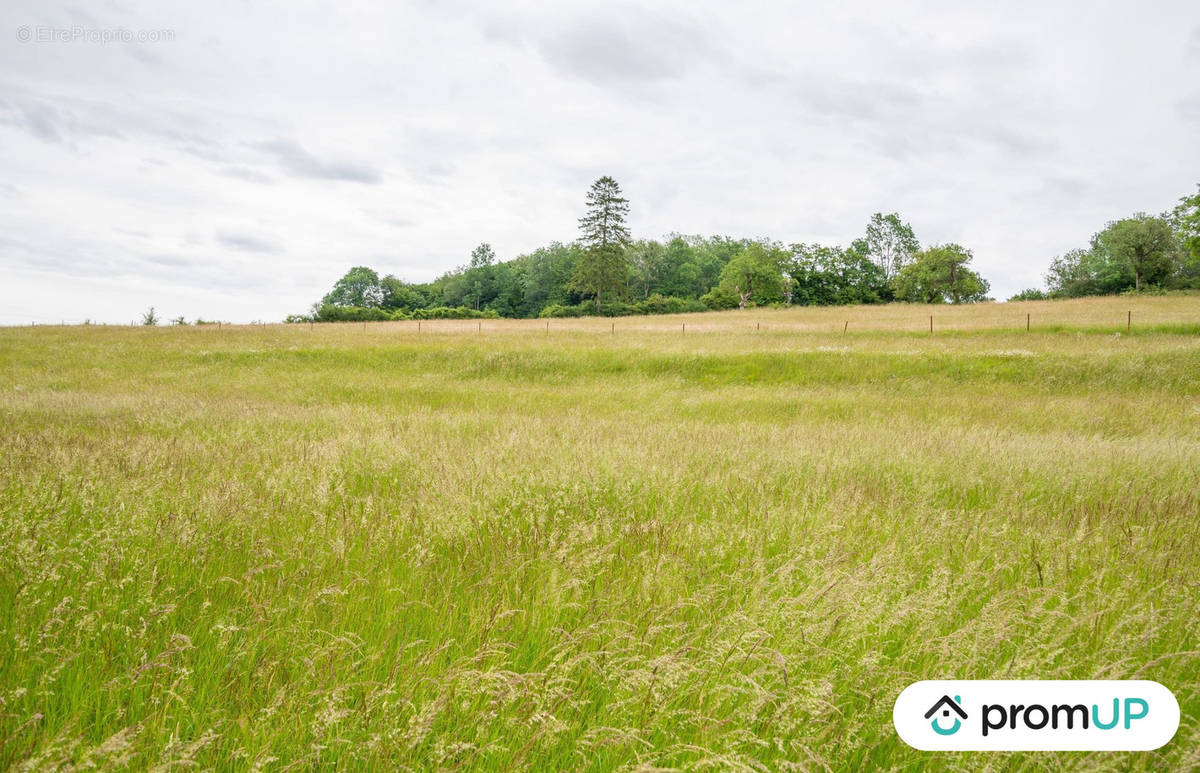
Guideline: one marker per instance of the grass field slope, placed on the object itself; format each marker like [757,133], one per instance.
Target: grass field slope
[721,541]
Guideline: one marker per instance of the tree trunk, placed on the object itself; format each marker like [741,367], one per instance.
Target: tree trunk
[598,290]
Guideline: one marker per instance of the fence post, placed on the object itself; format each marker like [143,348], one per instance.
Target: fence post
[1026,322]
[757,326]
[547,326]
[1129,322]
[684,328]
[845,327]
[613,331]
[930,323]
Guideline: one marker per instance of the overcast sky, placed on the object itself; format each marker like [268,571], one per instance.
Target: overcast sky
[234,167]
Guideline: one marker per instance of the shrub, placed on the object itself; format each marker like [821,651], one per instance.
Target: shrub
[718,299]
[330,313]
[449,312]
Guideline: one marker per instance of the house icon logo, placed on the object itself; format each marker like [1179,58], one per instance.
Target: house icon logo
[945,706]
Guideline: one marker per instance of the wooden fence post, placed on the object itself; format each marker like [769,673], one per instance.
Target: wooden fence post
[845,327]
[1129,322]
[1027,322]
[930,323]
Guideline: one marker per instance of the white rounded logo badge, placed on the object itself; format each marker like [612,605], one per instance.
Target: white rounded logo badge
[1036,715]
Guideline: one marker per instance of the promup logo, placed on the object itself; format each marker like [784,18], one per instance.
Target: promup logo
[948,704]
[1130,715]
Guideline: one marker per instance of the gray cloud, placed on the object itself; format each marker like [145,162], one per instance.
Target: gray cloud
[293,158]
[838,98]
[408,133]
[1189,108]
[170,261]
[617,46]
[605,50]
[246,242]
[246,173]
[48,122]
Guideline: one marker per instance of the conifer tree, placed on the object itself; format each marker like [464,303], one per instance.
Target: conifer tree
[604,238]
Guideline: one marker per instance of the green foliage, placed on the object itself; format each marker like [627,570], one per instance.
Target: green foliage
[457,312]
[720,299]
[1185,219]
[755,274]
[621,275]
[940,274]
[1134,253]
[149,317]
[655,304]
[604,237]
[401,296]
[824,275]
[1145,246]
[648,262]
[890,243]
[328,312]
[547,277]
[360,286]
[1030,294]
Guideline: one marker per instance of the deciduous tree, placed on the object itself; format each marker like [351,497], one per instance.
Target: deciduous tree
[755,273]
[940,274]
[359,286]
[890,243]
[1145,245]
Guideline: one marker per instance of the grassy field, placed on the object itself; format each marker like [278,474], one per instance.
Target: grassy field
[504,547]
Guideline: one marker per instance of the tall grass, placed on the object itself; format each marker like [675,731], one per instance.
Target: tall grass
[283,547]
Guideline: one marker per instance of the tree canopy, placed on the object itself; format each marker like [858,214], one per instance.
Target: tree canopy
[604,238]
[606,271]
[1132,254]
[940,274]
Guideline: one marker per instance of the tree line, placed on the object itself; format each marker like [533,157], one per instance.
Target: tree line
[606,272]
[1134,254]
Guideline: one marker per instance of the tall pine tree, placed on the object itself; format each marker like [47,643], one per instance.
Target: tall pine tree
[604,238]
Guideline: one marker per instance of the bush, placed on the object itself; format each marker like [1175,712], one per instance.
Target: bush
[448,312]
[655,304]
[660,304]
[1031,294]
[559,310]
[718,299]
[1147,290]
[330,313]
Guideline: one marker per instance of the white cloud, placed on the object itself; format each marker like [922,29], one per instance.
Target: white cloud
[237,169]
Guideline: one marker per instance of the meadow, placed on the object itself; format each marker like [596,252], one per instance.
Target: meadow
[718,541]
